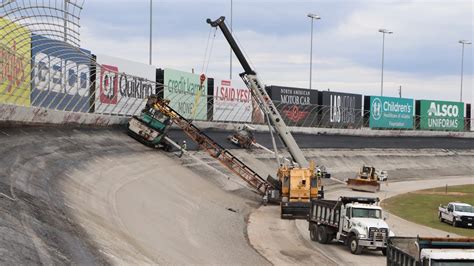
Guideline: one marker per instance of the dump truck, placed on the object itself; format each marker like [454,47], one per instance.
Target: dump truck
[355,221]
[297,181]
[430,251]
[366,180]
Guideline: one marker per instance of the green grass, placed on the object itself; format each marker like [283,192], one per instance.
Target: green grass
[421,207]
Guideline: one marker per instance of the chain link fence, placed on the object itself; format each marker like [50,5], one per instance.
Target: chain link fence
[43,66]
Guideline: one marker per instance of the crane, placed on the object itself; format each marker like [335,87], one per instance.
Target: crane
[298,181]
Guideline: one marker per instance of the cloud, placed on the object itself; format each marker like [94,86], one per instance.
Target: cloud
[422,55]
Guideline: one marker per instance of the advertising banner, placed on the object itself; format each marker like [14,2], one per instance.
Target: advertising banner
[341,110]
[15,63]
[298,107]
[441,115]
[122,86]
[186,94]
[61,75]
[391,112]
[232,101]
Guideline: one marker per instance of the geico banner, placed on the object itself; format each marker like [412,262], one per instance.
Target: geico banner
[390,112]
[232,101]
[340,109]
[186,92]
[441,115]
[298,107]
[61,75]
[122,86]
[15,63]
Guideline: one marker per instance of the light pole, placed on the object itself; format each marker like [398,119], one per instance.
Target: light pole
[312,17]
[151,29]
[463,42]
[383,31]
[230,63]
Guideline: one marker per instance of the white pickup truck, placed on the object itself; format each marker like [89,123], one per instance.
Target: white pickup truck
[457,214]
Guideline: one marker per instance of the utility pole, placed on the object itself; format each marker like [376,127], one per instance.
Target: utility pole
[312,17]
[383,31]
[400,91]
[151,31]
[463,42]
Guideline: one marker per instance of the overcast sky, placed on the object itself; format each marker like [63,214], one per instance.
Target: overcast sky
[423,55]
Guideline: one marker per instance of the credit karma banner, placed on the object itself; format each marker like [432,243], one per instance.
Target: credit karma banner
[390,112]
[298,107]
[441,115]
[61,75]
[340,109]
[122,86]
[15,63]
[186,94]
[232,101]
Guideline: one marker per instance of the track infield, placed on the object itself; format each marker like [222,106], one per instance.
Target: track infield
[421,206]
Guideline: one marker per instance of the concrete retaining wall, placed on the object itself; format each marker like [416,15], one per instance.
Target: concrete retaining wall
[12,114]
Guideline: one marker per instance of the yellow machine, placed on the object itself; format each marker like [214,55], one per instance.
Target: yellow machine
[298,187]
[366,180]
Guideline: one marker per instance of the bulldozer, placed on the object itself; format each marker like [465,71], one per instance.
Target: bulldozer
[366,180]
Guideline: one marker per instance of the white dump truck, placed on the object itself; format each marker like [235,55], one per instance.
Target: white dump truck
[457,214]
[355,221]
[424,251]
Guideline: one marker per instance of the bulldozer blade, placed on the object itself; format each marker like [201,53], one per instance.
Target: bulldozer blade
[363,185]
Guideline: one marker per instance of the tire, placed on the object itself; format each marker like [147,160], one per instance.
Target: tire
[330,237]
[455,224]
[354,246]
[384,251]
[322,235]
[441,218]
[313,232]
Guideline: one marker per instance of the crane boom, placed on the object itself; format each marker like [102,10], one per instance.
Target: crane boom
[259,93]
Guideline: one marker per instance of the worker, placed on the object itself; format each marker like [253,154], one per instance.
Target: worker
[183,148]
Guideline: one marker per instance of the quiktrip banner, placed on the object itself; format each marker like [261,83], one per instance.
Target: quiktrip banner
[232,101]
[60,76]
[122,86]
[390,112]
[15,63]
[298,107]
[440,115]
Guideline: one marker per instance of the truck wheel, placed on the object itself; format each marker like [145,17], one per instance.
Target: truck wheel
[440,218]
[313,233]
[322,235]
[354,246]
[384,251]
[455,224]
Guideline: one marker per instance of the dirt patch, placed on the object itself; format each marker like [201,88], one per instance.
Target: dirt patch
[439,193]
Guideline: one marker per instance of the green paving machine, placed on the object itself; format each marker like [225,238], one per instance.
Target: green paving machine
[150,127]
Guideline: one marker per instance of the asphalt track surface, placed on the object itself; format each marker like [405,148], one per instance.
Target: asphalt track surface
[307,141]
[96,196]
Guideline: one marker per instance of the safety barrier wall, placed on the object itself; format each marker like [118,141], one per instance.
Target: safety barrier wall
[50,74]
